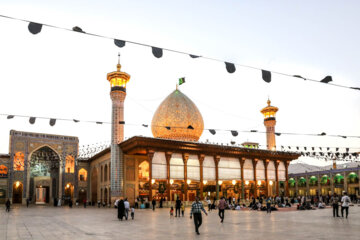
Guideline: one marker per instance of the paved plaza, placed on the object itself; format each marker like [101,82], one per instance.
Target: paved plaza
[42,222]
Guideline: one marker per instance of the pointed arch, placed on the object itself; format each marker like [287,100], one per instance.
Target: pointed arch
[40,147]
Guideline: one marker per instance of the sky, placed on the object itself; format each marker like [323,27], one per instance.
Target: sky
[62,74]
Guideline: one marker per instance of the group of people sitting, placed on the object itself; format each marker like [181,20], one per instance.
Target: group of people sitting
[259,203]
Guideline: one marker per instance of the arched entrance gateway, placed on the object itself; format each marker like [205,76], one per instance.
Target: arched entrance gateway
[43,164]
[44,175]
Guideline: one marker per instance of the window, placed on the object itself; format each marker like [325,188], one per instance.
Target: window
[69,164]
[19,161]
[3,171]
[144,171]
[82,175]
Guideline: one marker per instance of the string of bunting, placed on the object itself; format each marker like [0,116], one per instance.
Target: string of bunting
[266,75]
[234,133]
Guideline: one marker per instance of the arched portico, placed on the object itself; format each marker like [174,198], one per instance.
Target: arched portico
[43,175]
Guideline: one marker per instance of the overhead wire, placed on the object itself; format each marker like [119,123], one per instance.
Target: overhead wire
[79,30]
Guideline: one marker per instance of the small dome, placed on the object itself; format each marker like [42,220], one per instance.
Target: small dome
[179,113]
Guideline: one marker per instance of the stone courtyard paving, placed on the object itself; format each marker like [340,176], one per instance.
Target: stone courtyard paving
[42,222]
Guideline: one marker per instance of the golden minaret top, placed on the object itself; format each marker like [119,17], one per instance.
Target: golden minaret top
[118,79]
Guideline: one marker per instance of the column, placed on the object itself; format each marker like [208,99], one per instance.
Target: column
[296,186]
[345,182]
[359,181]
[266,163]
[319,186]
[150,155]
[307,186]
[242,161]
[168,157]
[277,177]
[287,178]
[254,161]
[26,181]
[185,159]
[331,183]
[217,159]
[201,158]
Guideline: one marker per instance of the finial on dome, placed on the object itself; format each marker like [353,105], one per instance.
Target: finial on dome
[177,86]
[268,102]
[118,66]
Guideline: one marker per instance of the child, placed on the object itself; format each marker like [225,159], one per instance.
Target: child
[132,212]
[182,208]
[171,211]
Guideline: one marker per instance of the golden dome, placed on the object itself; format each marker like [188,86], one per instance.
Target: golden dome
[175,117]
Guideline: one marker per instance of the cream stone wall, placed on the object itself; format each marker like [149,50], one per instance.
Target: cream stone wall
[102,183]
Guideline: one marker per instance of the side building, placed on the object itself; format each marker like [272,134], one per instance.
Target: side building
[326,182]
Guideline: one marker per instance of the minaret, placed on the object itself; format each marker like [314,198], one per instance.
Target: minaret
[118,82]
[269,113]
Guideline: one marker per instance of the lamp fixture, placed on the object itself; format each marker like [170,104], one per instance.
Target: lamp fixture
[171,181]
[233,182]
[247,182]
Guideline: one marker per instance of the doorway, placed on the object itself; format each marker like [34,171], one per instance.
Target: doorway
[42,195]
[17,192]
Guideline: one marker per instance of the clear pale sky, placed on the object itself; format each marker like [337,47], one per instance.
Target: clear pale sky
[63,74]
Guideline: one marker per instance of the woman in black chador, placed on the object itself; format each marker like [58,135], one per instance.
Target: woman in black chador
[121,209]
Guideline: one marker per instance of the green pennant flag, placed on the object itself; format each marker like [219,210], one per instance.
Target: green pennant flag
[181,80]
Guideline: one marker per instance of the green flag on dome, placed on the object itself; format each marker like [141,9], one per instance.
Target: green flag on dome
[181,80]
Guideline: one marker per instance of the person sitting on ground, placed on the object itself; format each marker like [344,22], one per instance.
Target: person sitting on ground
[258,206]
[321,205]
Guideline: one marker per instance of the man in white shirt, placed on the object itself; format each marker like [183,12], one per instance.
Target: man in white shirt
[345,202]
[127,208]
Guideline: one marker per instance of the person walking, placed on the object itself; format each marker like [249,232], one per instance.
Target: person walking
[153,202]
[136,203]
[268,205]
[222,205]
[335,204]
[182,209]
[132,213]
[84,201]
[70,203]
[196,209]
[7,205]
[27,202]
[127,208]
[209,204]
[177,206]
[121,209]
[345,202]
